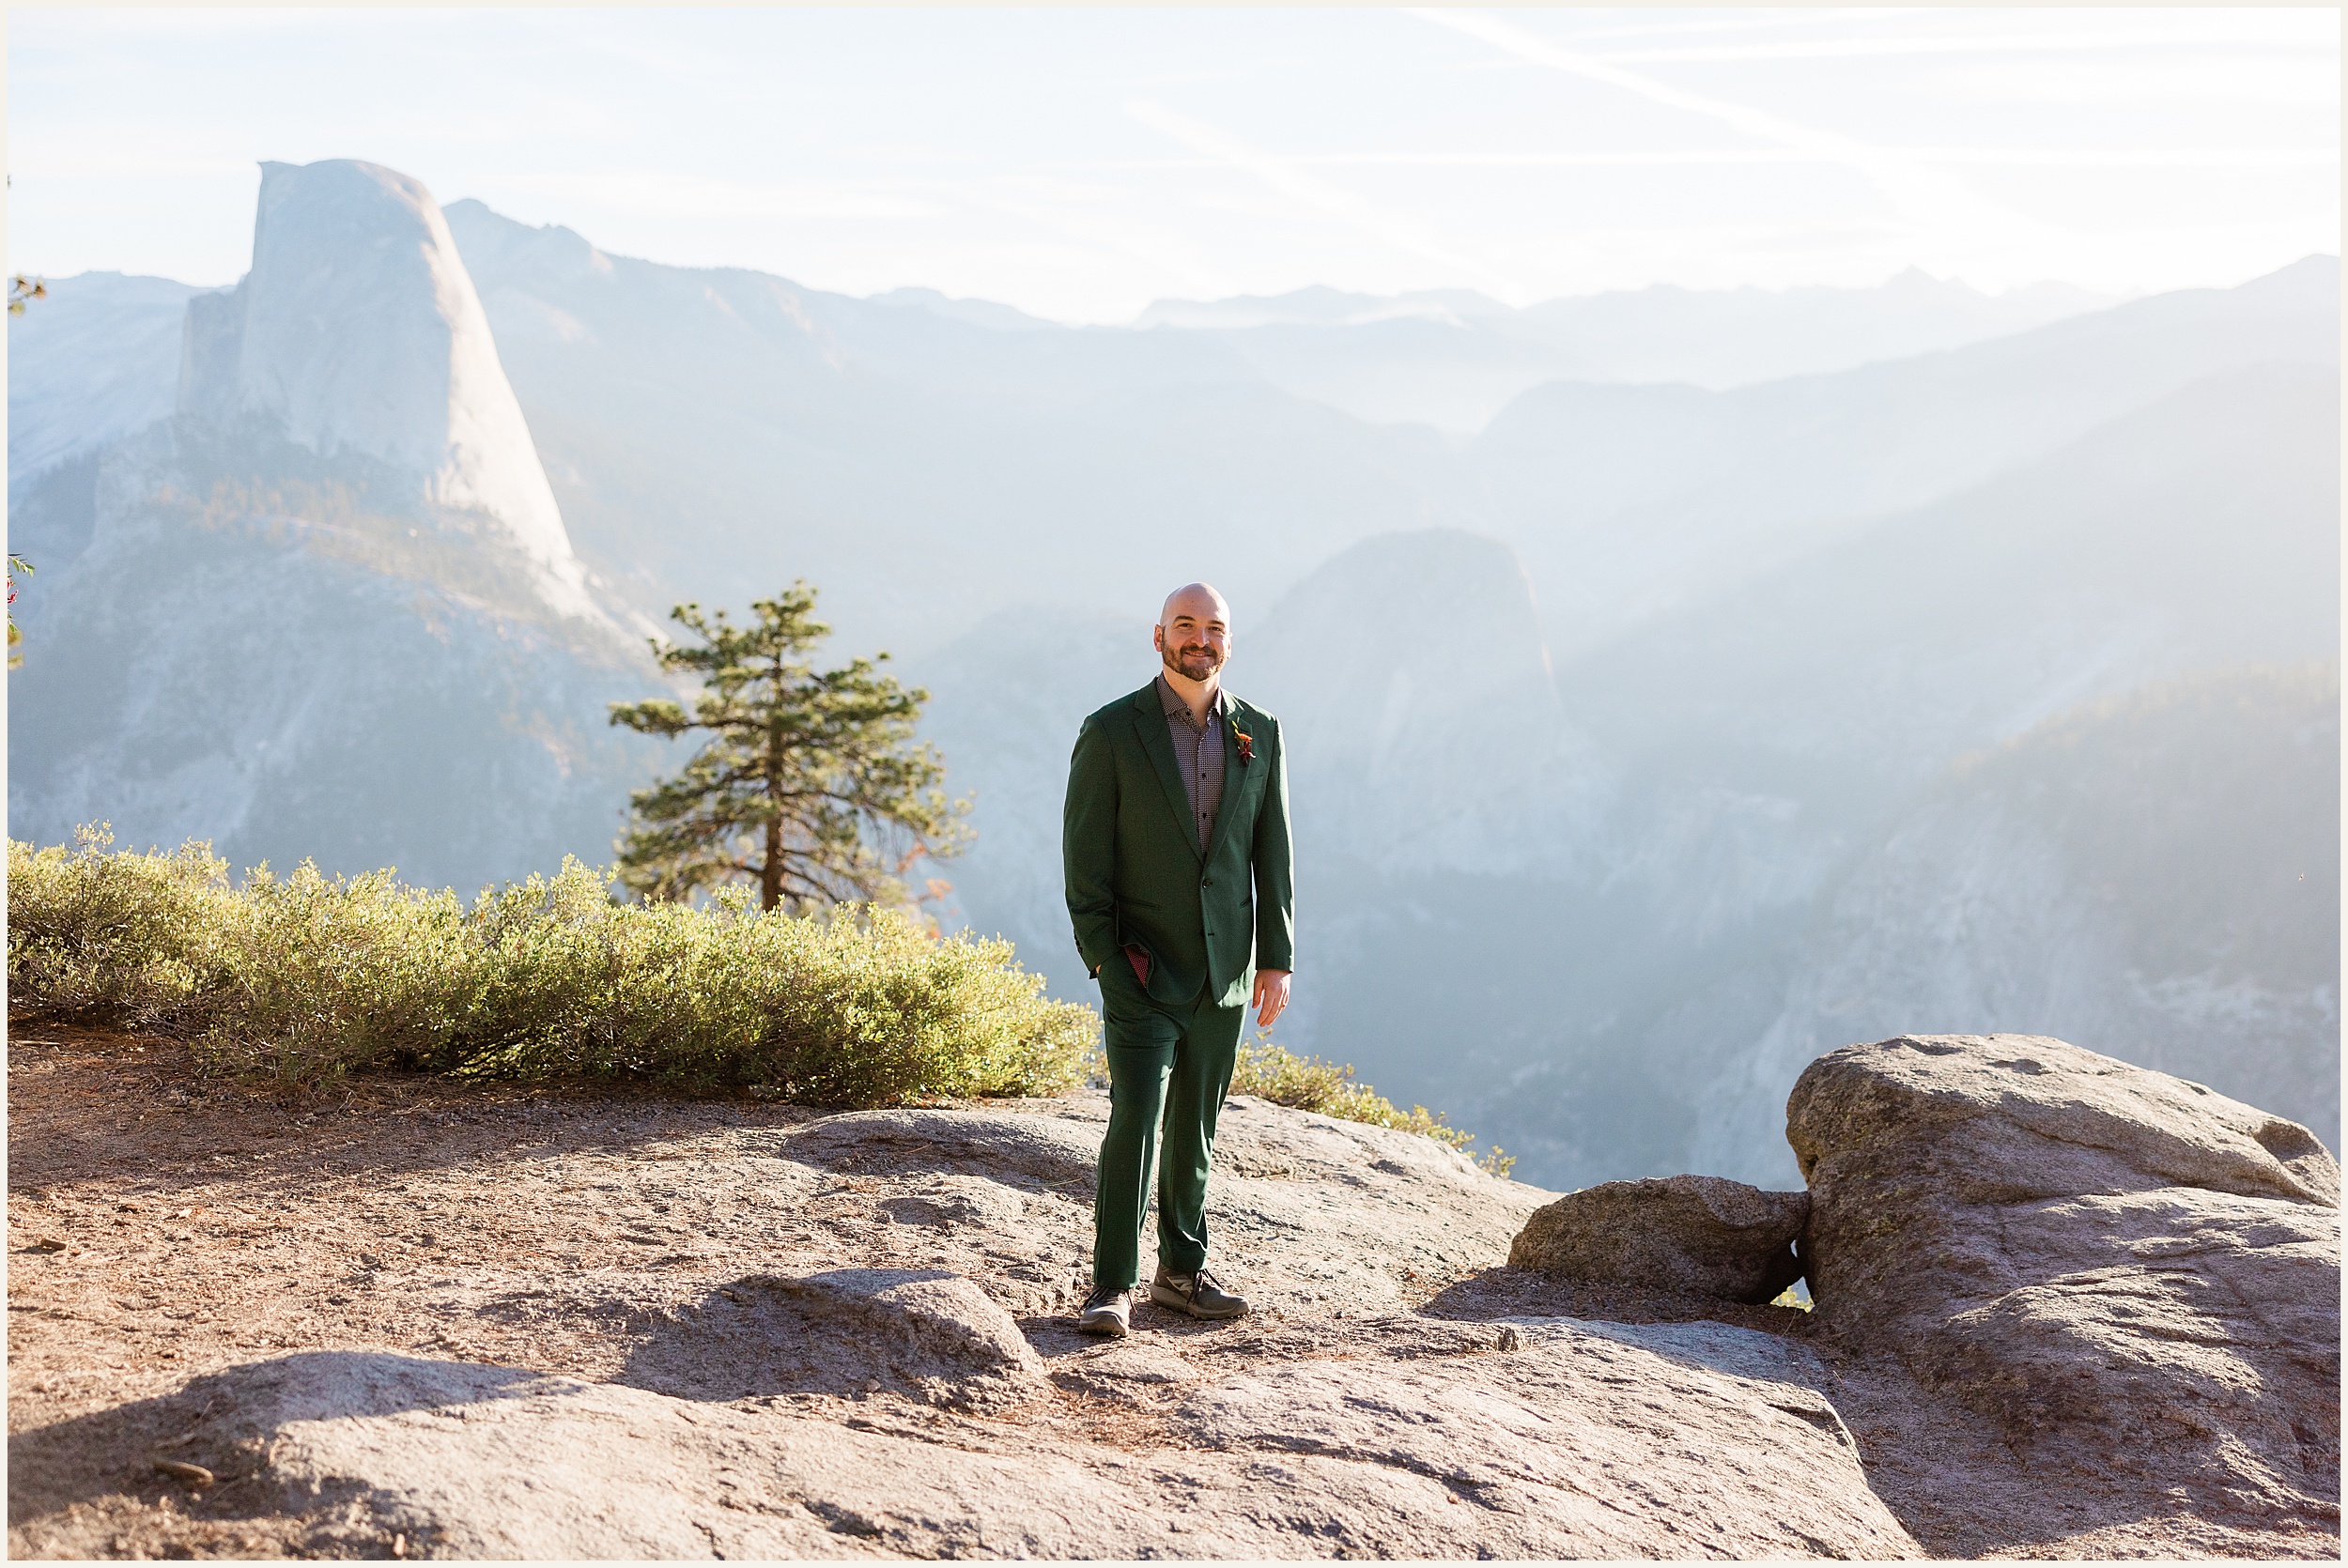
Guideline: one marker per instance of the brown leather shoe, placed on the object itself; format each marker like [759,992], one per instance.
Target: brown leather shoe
[1196,1294]
[1107,1312]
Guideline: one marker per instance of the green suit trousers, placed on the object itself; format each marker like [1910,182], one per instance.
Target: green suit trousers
[1166,1062]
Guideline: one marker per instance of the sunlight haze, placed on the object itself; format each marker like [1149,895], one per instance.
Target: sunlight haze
[1079,164]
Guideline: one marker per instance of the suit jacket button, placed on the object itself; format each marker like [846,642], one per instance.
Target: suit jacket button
[1208,883]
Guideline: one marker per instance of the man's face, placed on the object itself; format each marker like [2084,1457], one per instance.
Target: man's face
[1195,636]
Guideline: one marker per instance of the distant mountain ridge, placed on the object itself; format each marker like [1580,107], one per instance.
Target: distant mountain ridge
[102,366]
[1629,500]
[1911,292]
[1454,358]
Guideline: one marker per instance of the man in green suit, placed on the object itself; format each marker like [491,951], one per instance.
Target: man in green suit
[1180,881]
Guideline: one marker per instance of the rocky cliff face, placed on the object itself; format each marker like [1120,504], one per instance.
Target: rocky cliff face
[358,333]
[1433,738]
[328,609]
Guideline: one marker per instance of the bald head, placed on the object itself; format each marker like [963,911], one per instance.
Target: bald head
[1194,634]
[1199,602]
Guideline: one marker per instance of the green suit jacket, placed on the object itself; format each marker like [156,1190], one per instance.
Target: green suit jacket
[1135,872]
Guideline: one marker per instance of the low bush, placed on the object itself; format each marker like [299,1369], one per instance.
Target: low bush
[307,976]
[1310,1083]
[96,937]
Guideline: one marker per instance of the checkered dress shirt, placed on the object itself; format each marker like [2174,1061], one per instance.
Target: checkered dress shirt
[1198,753]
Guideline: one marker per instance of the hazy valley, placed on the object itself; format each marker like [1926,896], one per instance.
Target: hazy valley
[1681,686]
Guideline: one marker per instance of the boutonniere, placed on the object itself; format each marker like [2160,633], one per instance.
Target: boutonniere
[1247,744]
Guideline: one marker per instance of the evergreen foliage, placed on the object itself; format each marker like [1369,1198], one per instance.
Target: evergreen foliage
[304,977]
[811,785]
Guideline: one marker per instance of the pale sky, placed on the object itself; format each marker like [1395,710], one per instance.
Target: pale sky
[1079,164]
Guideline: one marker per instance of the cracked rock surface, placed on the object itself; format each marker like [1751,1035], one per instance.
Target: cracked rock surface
[433,1319]
[1574,1445]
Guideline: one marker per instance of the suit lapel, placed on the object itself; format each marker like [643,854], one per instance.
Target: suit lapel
[1237,774]
[1150,726]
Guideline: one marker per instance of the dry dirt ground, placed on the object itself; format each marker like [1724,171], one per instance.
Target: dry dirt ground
[163,1225]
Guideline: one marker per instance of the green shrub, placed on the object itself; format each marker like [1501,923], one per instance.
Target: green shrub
[327,974]
[96,937]
[1310,1083]
[307,976]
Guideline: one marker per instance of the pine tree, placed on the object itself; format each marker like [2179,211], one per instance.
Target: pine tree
[810,784]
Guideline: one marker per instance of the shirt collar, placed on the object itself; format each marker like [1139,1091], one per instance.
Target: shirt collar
[1171,701]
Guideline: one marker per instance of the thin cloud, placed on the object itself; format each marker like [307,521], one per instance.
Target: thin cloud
[656,192]
[1955,43]
[1743,24]
[2051,157]
[1284,176]
[1926,199]
[2129,157]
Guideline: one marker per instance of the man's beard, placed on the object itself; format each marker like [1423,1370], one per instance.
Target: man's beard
[1193,663]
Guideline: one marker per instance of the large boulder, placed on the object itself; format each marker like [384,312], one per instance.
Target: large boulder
[1700,1234]
[2134,1276]
[1030,1151]
[920,1332]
